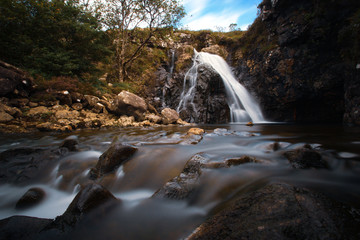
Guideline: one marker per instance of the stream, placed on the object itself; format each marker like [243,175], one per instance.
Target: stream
[161,156]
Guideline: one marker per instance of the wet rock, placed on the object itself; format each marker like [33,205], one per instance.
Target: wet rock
[21,227]
[31,198]
[216,49]
[26,165]
[195,131]
[169,116]
[91,197]
[111,159]
[280,211]
[70,144]
[241,160]
[53,127]
[126,103]
[305,158]
[250,124]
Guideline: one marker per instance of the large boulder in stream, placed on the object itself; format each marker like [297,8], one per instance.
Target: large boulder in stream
[281,211]
[169,116]
[111,159]
[126,103]
[31,198]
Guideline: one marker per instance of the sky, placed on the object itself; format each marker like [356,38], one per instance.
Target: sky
[212,14]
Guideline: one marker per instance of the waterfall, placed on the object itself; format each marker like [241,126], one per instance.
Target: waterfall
[243,106]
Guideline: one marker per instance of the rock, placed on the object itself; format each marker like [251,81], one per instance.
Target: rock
[91,101]
[153,118]
[195,131]
[5,117]
[13,111]
[216,49]
[14,81]
[33,104]
[280,211]
[64,97]
[26,165]
[126,103]
[31,198]
[65,114]
[18,102]
[49,127]
[169,116]
[70,144]
[77,106]
[91,197]
[38,111]
[111,159]
[21,227]
[250,124]
[182,122]
[126,121]
[305,158]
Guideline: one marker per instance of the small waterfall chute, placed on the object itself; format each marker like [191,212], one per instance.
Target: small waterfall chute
[243,107]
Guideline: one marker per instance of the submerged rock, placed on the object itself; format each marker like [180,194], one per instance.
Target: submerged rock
[111,159]
[70,144]
[305,158]
[31,198]
[281,211]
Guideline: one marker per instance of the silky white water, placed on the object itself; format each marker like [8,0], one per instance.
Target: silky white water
[243,106]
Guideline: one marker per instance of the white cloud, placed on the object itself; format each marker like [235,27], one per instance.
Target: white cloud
[195,7]
[213,20]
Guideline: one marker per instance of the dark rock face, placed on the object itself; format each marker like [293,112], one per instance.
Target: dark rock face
[23,165]
[14,81]
[209,100]
[281,211]
[21,227]
[111,159]
[298,73]
[91,197]
[31,198]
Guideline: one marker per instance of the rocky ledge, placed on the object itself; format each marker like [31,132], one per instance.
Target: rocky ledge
[71,110]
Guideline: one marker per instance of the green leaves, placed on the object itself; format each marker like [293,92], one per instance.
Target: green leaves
[50,38]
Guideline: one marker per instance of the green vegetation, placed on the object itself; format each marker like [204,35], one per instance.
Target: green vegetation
[50,38]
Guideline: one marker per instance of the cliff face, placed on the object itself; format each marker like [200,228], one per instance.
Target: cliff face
[293,58]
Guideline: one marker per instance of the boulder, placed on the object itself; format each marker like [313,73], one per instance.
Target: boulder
[126,121]
[169,116]
[70,144]
[64,97]
[77,106]
[91,197]
[305,158]
[126,103]
[195,131]
[91,101]
[111,159]
[14,81]
[31,198]
[280,211]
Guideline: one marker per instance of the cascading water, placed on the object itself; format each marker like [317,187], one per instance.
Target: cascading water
[243,106]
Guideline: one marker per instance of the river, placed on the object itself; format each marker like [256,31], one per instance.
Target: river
[161,156]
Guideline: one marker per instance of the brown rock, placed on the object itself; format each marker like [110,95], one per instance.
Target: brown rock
[5,117]
[127,103]
[65,114]
[196,131]
[169,116]
[77,106]
[38,111]
[111,159]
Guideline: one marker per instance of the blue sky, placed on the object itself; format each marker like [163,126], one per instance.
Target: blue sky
[211,14]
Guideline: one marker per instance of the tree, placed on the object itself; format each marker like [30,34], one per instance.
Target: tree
[50,38]
[232,27]
[132,24]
